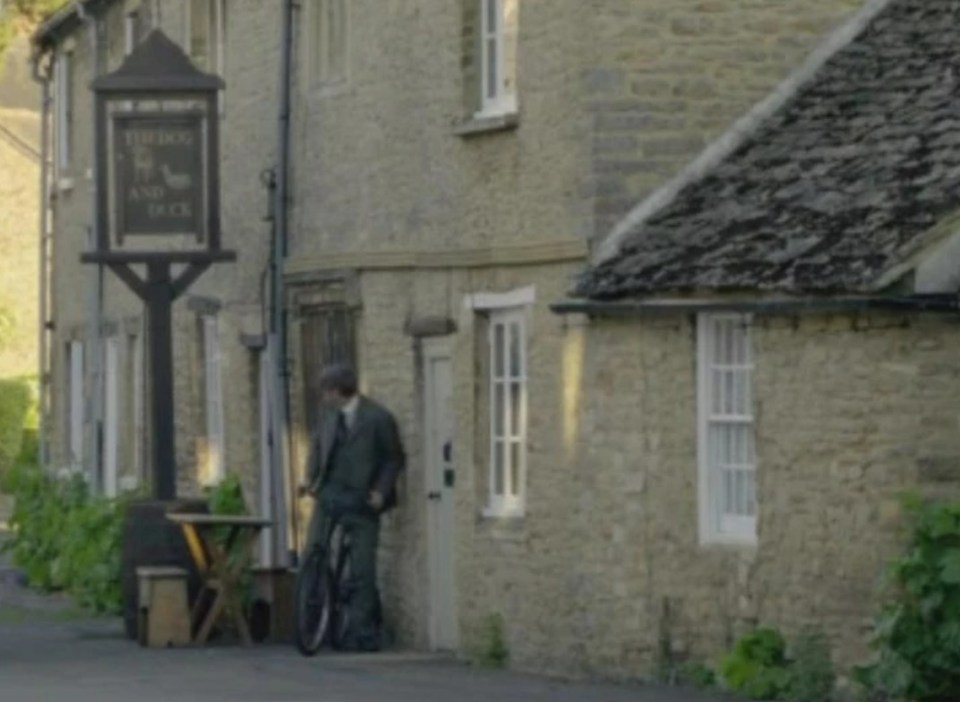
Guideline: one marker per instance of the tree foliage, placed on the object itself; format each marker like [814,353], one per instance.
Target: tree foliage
[19,17]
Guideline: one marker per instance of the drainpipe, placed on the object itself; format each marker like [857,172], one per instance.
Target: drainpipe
[95,327]
[43,370]
[284,472]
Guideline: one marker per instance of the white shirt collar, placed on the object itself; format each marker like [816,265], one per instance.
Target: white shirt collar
[350,409]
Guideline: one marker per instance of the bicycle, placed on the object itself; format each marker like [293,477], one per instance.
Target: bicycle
[323,587]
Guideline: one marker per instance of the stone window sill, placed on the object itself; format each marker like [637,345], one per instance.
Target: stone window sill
[510,516]
[503,526]
[483,124]
[65,184]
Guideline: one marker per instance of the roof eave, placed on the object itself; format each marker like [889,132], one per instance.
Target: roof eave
[62,23]
[943,304]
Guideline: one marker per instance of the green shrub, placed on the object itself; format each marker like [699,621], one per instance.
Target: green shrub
[66,539]
[916,636]
[812,675]
[16,400]
[696,674]
[493,652]
[760,668]
[757,667]
[226,498]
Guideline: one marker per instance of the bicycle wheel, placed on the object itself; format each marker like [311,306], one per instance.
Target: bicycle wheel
[342,590]
[313,603]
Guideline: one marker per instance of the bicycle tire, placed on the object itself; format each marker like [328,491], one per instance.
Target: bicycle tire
[314,609]
[342,591]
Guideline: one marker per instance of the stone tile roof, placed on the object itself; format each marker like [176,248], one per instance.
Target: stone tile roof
[834,189]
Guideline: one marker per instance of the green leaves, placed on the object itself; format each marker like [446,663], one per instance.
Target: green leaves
[916,637]
[950,566]
[66,539]
[20,17]
[757,666]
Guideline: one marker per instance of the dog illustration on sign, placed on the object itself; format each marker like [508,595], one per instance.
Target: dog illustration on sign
[144,168]
[143,164]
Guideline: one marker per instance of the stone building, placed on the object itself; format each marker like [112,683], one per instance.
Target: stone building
[451,166]
[775,330]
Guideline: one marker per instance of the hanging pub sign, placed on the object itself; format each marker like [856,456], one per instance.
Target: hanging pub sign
[159,179]
[157,224]
[157,150]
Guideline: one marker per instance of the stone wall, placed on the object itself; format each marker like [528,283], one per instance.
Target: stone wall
[850,412]
[661,80]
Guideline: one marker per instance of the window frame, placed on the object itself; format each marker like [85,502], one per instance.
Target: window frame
[74,414]
[501,102]
[215,57]
[65,77]
[213,401]
[131,29]
[717,525]
[320,43]
[513,321]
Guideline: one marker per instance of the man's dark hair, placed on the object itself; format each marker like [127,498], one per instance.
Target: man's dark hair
[339,377]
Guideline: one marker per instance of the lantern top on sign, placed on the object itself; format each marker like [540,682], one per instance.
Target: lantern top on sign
[157,65]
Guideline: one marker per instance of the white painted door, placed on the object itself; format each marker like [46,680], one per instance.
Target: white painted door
[111,416]
[441,502]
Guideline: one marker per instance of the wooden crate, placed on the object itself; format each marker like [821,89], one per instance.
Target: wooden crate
[164,616]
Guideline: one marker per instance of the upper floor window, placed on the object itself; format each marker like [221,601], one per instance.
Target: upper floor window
[326,42]
[498,56]
[728,497]
[206,34]
[131,31]
[65,79]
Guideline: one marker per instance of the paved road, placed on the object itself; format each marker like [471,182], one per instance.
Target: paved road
[50,653]
[84,661]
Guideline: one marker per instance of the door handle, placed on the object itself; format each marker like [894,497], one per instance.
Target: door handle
[433,495]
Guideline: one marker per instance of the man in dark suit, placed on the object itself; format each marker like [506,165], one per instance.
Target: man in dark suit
[355,458]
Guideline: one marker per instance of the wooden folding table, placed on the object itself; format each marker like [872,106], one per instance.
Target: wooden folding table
[222,574]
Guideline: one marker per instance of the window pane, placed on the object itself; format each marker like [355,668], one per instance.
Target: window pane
[491,14]
[717,341]
[499,350]
[498,468]
[716,392]
[516,355]
[339,41]
[516,409]
[515,464]
[499,409]
[199,32]
[509,68]
[492,72]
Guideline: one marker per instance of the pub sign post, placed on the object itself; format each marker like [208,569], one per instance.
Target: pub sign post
[158,204]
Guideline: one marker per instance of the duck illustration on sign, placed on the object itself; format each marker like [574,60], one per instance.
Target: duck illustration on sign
[175,181]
